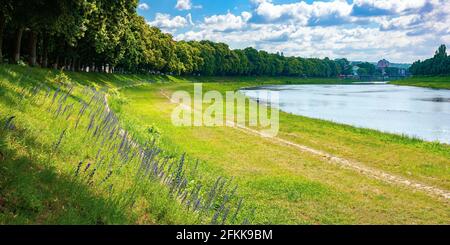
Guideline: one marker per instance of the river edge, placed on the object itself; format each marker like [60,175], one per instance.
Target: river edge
[399,136]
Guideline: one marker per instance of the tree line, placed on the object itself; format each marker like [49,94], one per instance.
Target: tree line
[438,65]
[109,36]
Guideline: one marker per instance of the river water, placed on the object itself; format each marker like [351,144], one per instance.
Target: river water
[416,112]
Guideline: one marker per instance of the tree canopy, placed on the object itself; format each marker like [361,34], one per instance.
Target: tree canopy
[103,35]
[438,65]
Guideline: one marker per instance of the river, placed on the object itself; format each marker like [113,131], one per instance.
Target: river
[416,112]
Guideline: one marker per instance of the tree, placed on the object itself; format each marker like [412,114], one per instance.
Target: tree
[344,66]
[366,67]
[5,16]
[19,17]
[104,35]
[438,65]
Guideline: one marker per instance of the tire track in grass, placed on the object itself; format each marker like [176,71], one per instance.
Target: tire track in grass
[342,162]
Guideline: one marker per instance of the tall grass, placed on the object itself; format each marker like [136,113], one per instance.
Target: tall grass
[111,161]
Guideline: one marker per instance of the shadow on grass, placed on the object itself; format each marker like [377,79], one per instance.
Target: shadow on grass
[31,192]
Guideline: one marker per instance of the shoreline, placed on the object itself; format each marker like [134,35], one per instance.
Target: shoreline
[399,135]
[433,82]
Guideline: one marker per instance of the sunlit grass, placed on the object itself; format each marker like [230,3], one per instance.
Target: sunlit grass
[278,184]
[438,82]
[57,131]
[288,186]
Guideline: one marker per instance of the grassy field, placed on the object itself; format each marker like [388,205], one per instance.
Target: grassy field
[279,184]
[441,82]
[289,186]
[54,173]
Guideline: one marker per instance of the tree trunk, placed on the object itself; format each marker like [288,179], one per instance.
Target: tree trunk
[33,44]
[56,64]
[2,28]
[44,50]
[71,64]
[45,57]
[17,44]
[78,64]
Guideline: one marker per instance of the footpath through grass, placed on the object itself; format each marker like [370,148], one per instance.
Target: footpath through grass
[66,159]
[42,180]
[288,186]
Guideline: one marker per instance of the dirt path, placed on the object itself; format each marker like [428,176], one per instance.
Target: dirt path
[345,163]
[122,132]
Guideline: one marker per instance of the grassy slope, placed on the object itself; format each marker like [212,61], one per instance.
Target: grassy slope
[284,185]
[37,183]
[439,82]
[288,186]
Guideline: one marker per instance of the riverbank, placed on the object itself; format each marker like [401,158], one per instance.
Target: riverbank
[279,184]
[288,185]
[261,80]
[437,82]
[405,110]
[53,171]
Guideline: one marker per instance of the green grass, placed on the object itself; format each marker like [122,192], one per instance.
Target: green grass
[288,186]
[437,82]
[37,180]
[279,184]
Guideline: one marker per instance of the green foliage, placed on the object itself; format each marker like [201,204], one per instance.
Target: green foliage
[62,79]
[438,65]
[66,159]
[287,186]
[282,185]
[366,68]
[109,35]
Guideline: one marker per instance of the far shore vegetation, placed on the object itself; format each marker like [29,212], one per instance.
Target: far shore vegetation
[437,82]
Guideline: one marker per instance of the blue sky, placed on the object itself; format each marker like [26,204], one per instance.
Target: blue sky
[398,30]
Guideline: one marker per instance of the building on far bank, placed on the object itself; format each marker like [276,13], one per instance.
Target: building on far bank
[382,65]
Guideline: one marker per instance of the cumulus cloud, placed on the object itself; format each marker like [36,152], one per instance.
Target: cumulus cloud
[143,6]
[183,5]
[302,13]
[228,22]
[168,23]
[386,7]
[399,30]
[186,5]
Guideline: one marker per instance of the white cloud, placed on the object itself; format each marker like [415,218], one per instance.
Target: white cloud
[396,6]
[143,6]
[186,5]
[166,22]
[399,30]
[228,22]
[183,5]
[301,12]
[189,19]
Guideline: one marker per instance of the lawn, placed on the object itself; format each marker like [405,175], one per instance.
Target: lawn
[438,82]
[41,180]
[54,173]
[289,186]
